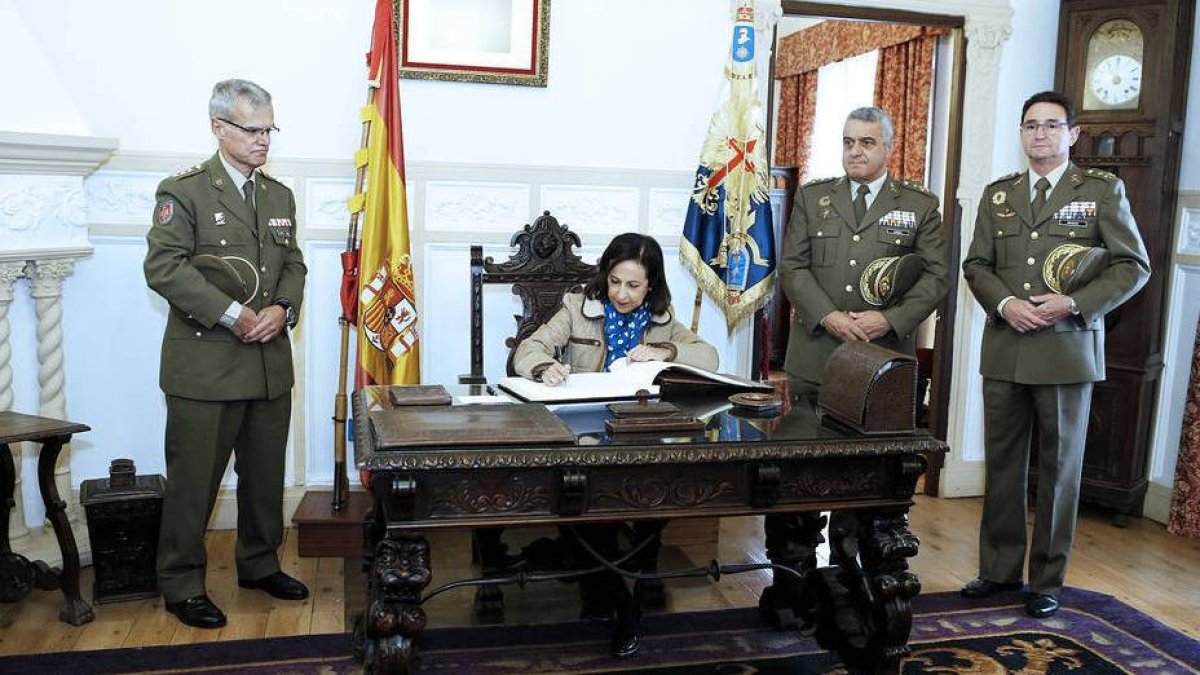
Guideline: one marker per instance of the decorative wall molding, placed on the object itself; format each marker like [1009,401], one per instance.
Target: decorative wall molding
[667,209]
[46,211]
[1188,241]
[475,206]
[121,197]
[24,153]
[325,202]
[594,208]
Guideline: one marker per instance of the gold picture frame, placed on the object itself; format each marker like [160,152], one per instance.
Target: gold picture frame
[484,41]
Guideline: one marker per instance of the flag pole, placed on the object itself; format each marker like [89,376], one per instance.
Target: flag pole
[696,309]
[341,484]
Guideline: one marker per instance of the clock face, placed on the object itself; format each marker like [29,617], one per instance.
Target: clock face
[1117,79]
[1112,76]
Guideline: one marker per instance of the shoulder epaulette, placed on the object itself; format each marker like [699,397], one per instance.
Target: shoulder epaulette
[1100,173]
[1007,176]
[190,171]
[916,187]
[818,181]
[269,177]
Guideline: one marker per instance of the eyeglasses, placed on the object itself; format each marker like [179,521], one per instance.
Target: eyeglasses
[253,131]
[1050,127]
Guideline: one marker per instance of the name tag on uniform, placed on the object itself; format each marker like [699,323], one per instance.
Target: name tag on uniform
[1076,214]
[906,220]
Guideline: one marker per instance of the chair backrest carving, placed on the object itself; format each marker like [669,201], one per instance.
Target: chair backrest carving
[544,266]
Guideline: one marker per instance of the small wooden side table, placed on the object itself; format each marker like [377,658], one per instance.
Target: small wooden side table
[17,574]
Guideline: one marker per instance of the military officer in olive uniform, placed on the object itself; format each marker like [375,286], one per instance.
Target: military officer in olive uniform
[226,361]
[838,227]
[1042,349]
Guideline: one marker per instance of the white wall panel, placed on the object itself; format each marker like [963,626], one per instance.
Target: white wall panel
[318,347]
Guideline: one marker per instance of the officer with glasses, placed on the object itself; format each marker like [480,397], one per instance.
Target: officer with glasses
[223,254]
[1043,345]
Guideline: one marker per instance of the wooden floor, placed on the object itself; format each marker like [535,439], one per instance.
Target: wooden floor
[1141,565]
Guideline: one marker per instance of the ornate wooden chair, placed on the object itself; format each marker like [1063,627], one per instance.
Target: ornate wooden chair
[544,267]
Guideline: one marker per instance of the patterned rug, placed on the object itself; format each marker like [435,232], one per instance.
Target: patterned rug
[1092,634]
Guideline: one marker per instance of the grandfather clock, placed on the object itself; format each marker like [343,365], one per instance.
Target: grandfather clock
[1125,63]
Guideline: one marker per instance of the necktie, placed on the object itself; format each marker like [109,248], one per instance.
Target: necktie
[860,204]
[248,194]
[1039,200]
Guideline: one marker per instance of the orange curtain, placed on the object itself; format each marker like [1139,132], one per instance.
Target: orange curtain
[903,81]
[797,108]
[904,49]
[1184,519]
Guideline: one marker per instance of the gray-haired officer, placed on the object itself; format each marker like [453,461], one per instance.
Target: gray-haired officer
[839,228]
[226,361]
[1038,235]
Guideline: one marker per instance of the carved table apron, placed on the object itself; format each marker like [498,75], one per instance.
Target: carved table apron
[789,467]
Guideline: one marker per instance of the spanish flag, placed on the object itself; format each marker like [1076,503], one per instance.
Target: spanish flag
[384,290]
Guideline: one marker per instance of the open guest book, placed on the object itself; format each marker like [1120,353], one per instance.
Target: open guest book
[625,380]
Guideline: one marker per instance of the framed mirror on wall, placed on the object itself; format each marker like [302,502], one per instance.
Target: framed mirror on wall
[484,41]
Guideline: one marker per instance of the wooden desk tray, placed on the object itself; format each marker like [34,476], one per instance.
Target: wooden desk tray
[653,424]
[419,394]
[507,424]
[640,409]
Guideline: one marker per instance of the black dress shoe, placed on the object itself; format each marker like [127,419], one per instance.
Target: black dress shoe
[197,611]
[1041,606]
[279,585]
[982,588]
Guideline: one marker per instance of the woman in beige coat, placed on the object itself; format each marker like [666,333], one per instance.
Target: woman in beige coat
[625,311]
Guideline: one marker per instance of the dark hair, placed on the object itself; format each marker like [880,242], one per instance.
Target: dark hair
[642,250]
[1051,97]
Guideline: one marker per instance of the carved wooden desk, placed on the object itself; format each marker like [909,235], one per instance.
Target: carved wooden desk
[18,575]
[790,468]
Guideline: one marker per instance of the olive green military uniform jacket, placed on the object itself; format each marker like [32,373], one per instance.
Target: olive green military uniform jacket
[202,211]
[825,252]
[579,328]
[1009,248]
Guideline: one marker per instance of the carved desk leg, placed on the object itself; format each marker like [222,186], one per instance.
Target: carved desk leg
[866,614]
[75,610]
[792,542]
[393,620]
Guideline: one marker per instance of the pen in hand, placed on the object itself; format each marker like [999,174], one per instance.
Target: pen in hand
[555,374]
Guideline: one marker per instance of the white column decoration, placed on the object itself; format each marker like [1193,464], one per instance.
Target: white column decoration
[9,273]
[46,277]
[963,474]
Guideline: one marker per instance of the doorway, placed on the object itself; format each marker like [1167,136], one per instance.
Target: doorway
[846,79]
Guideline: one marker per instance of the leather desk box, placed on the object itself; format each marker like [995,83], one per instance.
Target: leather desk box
[870,389]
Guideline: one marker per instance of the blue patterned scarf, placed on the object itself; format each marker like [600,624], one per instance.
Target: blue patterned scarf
[623,331]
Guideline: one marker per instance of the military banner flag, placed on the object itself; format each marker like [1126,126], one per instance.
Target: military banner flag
[382,298]
[728,241]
